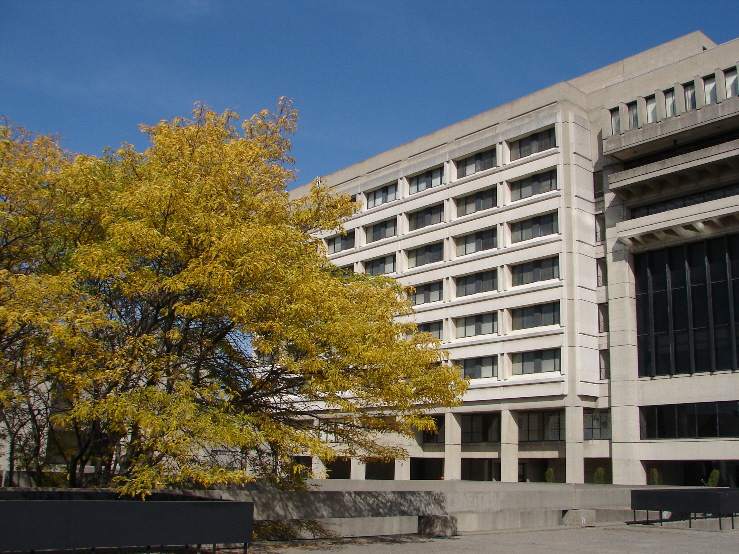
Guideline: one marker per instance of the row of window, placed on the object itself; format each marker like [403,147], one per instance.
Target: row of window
[522,363]
[481,161]
[710,96]
[700,420]
[486,281]
[478,241]
[431,215]
[688,200]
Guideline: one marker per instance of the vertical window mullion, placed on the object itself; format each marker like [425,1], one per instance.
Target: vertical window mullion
[732,322]
[652,370]
[709,290]
[689,292]
[670,323]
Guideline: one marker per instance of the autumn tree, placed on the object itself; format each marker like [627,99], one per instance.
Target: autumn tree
[170,318]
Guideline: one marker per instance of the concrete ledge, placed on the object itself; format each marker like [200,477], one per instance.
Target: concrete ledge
[579,518]
[437,526]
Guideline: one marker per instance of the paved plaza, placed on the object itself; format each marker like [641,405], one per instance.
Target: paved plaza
[593,540]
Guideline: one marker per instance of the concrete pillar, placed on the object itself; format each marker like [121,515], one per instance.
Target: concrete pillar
[641,110]
[659,97]
[700,93]
[318,468]
[720,85]
[623,112]
[625,453]
[679,98]
[452,447]
[508,446]
[357,470]
[403,470]
[575,464]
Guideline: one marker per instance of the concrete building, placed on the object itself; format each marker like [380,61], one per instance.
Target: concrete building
[577,252]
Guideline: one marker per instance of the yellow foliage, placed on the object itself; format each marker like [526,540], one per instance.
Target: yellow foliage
[168,305]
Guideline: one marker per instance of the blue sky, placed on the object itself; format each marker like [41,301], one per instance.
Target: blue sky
[365,76]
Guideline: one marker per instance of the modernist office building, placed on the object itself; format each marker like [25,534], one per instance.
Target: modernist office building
[577,252]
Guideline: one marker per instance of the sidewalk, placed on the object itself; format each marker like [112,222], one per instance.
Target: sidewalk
[601,540]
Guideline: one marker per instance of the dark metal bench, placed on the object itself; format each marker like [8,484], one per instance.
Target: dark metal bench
[715,502]
[27,525]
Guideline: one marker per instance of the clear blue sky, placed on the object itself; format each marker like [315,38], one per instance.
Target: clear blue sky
[365,75]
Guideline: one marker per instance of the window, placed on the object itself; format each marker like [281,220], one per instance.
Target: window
[732,85]
[477,162]
[615,121]
[601,272]
[476,242]
[435,329]
[426,180]
[427,254]
[689,91]
[480,428]
[535,227]
[682,201]
[433,437]
[482,200]
[535,184]
[687,308]
[541,426]
[380,266]
[341,242]
[709,90]
[480,469]
[425,217]
[651,102]
[603,317]
[538,270]
[538,361]
[537,142]
[430,292]
[382,230]
[670,106]
[474,325]
[604,363]
[700,420]
[598,184]
[596,424]
[600,227]
[539,315]
[477,283]
[480,368]
[382,195]
[633,112]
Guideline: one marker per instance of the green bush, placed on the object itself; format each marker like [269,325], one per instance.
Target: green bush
[600,476]
[654,476]
[549,475]
[713,478]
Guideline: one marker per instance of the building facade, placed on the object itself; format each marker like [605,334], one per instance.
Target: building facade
[577,253]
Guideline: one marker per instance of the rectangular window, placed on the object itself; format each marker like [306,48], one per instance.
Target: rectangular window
[427,216]
[732,84]
[633,112]
[474,325]
[601,272]
[603,317]
[538,270]
[709,90]
[477,283]
[539,315]
[430,292]
[535,227]
[341,242]
[541,426]
[600,227]
[476,242]
[426,254]
[426,180]
[688,200]
[537,142]
[380,266]
[432,437]
[651,102]
[535,184]
[435,329]
[381,230]
[480,428]
[596,424]
[615,121]
[480,469]
[475,163]
[388,193]
[480,368]
[538,361]
[670,105]
[689,90]
[482,200]
[604,363]
[700,420]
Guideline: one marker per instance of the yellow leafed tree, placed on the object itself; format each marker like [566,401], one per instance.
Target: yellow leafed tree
[168,318]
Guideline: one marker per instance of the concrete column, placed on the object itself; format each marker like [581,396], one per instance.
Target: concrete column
[679,98]
[503,194]
[402,187]
[659,98]
[503,153]
[403,470]
[605,123]
[625,453]
[641,110]
[623,112]
[720,85]
[700,94]
[505,277]
[508,446]
[575,465]
[318,468]
[357,470]
[452,447]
